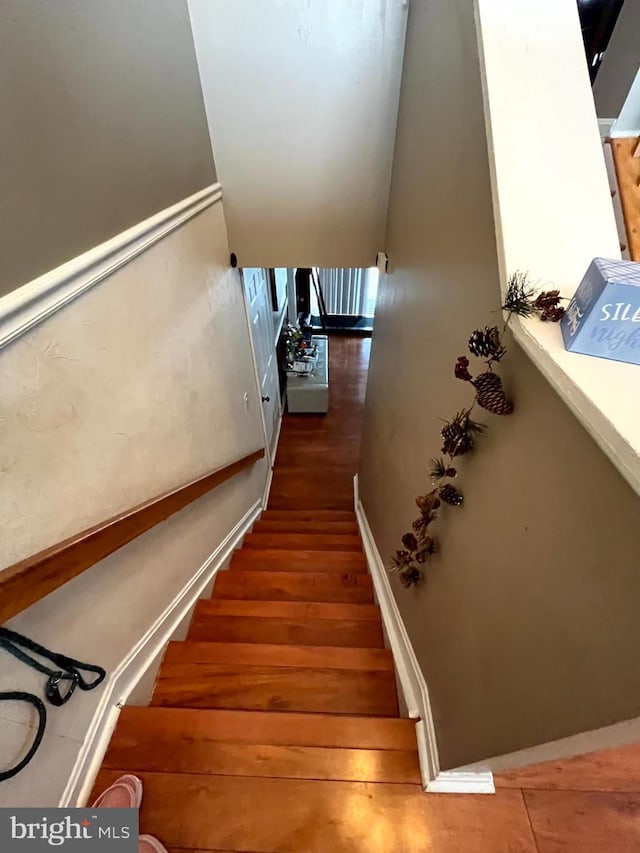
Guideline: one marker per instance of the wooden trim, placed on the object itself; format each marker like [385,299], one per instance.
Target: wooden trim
[26,582]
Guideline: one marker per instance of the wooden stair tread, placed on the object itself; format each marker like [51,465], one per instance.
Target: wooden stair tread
[264,727]
[262,687]
[299,560]
[304,632]
[349,528]
[259,654]
[346,587]
[319,515]
[304,541]
[266,760]
[199,812]
[287,609]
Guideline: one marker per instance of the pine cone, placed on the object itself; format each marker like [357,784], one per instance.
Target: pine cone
[400,560]
[450,495]
[429,545]
[410,542]
[547,299]
[458,434]
[419,524]
[494,402]
[488,381]
[457,442]
[491,394]
[411,576]
[553,314]
[485,343]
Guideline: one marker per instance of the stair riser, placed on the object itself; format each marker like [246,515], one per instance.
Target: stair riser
[313,515]
[296,610]
[266,586]
[263,654]
[205,685]
[332,528]
[320,632]
[137,725]
[303,541]
[266,761]
[257,560]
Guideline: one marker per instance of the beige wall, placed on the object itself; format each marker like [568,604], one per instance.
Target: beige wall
[527,627]
[103,124]
[620,63]
[135,387]
[302,100]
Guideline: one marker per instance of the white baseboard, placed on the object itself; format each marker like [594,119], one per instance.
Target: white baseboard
[272,458]
[608,737]
[38,299]
[267,489]
[126,676]
[462,782]
[412,682]
[605,125]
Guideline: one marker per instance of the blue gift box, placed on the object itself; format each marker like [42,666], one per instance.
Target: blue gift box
[603,318]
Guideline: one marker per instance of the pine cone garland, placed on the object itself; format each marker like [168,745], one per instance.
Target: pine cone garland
[485,343]
[450,495]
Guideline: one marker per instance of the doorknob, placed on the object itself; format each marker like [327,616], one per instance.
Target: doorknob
[266,399]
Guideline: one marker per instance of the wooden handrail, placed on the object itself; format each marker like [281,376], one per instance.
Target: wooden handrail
[26,582]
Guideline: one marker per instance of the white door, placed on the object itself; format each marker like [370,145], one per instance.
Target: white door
[256,288]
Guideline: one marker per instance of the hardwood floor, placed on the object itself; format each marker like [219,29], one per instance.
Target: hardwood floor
[274,727]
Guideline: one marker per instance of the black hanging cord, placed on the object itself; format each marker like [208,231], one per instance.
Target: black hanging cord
[69,668]
[38,704]
[68,673]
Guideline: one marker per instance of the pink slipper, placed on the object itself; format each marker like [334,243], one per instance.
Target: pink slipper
[125,793]
[149,844]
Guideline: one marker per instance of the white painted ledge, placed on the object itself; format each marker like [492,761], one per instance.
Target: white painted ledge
[552,200]
[604,395]
[38,299]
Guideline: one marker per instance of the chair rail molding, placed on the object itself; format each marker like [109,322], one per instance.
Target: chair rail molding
[36,300]
[31,579]
[475,780]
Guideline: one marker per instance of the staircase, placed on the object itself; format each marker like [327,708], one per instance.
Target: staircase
[279,700]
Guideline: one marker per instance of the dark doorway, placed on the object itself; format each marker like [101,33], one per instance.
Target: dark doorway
[597,19]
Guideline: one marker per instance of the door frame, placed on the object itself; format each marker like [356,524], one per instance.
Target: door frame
[270,452]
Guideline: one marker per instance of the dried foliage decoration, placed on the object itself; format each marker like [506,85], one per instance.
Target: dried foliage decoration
[459,434]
